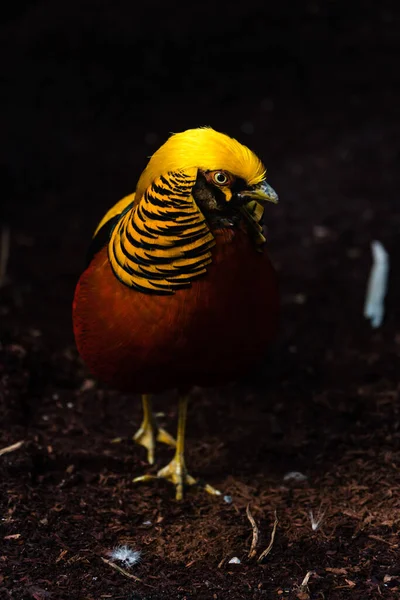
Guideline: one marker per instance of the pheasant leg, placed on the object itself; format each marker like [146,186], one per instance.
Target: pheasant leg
[149,432]
[176,471]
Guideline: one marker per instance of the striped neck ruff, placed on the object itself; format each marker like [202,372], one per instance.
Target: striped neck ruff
[163,243]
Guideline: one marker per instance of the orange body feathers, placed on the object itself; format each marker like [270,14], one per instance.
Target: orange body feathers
[208,334]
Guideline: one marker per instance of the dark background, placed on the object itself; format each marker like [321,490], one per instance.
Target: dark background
[90,90]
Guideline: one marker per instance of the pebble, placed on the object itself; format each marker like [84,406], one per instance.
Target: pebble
[294,476]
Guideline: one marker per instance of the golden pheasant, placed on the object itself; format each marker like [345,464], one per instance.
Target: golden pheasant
[178,289]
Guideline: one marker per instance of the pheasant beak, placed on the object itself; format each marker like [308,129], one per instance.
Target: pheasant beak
[262,192]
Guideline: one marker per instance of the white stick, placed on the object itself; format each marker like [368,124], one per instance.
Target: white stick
[11,448]
[374,308]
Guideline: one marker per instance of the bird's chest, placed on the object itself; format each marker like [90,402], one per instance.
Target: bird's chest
[235,290]
[231,310]
[227,303]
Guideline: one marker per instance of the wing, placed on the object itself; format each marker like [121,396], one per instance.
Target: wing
[104,230]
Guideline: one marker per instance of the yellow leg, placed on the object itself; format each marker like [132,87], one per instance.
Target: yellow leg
[176,471]
[149,432]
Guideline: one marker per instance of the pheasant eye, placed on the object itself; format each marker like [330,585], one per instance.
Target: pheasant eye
[220,178]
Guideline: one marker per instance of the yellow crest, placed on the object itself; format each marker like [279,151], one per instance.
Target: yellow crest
[202,148]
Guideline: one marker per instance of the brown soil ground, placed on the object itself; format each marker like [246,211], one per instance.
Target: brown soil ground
[91,92]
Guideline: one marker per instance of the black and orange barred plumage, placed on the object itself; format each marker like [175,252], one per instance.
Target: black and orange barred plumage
[164,243]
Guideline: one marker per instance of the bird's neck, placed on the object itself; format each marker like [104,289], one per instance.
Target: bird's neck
[164,242]
[158,247]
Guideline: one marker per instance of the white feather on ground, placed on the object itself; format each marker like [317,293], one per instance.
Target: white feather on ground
[374,308]
[126,556]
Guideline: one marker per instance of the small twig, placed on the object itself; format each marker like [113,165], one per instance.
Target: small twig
[304,583]
[380,539]
[11,448]
[303,589]
[269,548]
[120,570]
[61,555]
[254,541]
[4,253]
[221,563]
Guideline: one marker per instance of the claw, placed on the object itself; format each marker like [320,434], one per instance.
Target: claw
[145,436]
[165,438]
[175,472]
